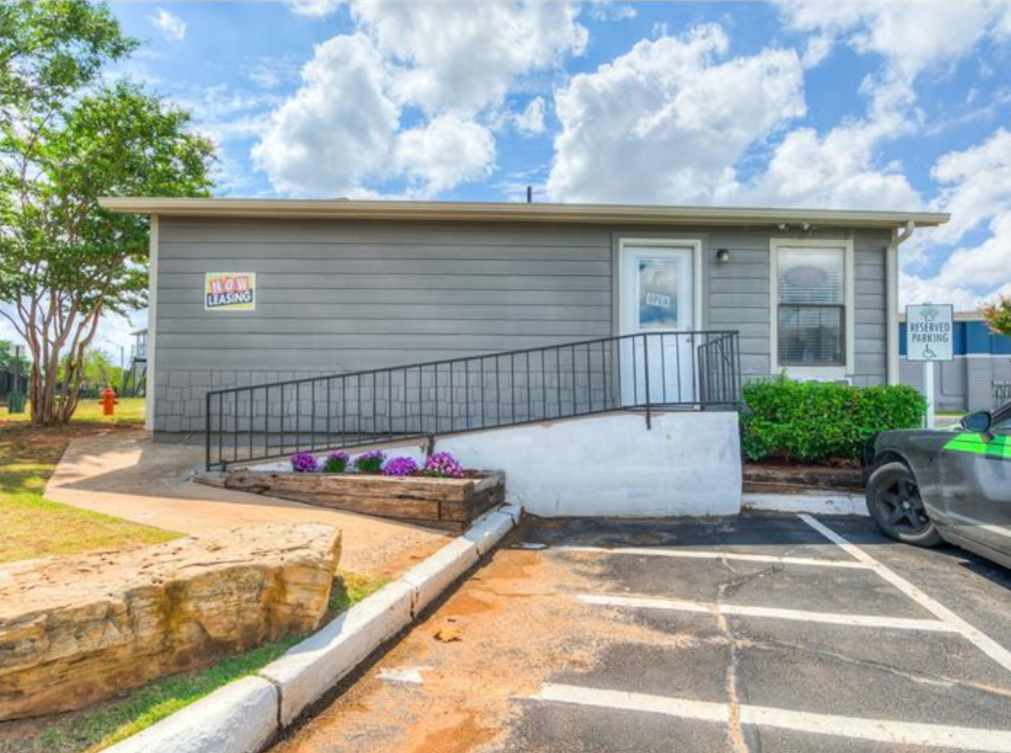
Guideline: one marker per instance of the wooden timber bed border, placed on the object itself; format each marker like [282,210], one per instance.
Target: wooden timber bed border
[449,503]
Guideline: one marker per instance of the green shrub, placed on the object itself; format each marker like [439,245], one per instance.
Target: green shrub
[815,421]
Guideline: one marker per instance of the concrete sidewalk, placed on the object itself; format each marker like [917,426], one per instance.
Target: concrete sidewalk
[127,475]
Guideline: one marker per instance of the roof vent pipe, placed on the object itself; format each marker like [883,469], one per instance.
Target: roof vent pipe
[530,194]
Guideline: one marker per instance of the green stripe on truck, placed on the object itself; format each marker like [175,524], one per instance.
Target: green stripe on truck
[997,447]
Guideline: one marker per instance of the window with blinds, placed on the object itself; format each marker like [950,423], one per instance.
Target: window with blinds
[810,283]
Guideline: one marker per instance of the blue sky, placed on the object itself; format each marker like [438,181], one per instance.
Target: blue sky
[841,104]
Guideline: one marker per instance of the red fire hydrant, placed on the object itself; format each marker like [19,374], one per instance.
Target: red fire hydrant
[108,401]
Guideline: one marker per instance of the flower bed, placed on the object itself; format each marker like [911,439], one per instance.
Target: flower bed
[438,492]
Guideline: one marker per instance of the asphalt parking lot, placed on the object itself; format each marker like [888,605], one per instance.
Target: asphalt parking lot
[752,633]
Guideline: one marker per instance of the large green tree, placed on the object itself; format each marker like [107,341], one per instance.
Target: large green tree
[69,136]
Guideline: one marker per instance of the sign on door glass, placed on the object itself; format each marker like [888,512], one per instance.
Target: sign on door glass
[658,289]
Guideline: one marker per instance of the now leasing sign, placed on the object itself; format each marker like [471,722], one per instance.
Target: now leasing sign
[929,333]
[230,291]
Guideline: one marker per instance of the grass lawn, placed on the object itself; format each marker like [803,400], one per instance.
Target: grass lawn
[129,411]
[31,526]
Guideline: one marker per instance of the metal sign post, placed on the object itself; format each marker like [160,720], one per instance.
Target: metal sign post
[929,339]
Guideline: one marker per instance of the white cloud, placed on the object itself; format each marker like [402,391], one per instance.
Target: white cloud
[444,153]
[977,186]
[667,121]
[610,10]
[818,48]
[531,120]
[223,113]
[985,266]
[836,170]
[912,36]
[977,193]
[842,166]
[273,71]
[315,8]
[455,61]
[463,56]
[913,289]
[171,26]
[338,128]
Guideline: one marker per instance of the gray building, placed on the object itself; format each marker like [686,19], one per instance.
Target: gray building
[256,291]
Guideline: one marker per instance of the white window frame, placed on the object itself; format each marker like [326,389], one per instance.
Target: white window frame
[849,302]
[695,244]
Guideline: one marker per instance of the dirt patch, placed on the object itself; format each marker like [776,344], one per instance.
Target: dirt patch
[25,443]
[393,564]
[463,736]
[467,604]
[518,623]
[783,478]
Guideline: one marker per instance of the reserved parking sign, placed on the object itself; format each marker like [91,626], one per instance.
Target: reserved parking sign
[930,333]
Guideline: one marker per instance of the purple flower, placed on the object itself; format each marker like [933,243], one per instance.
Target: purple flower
[336,462]
[304,462]
[400,467]
[370,462]
[443,465]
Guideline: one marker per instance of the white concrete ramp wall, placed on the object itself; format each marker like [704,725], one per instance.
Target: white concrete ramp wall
[689,463]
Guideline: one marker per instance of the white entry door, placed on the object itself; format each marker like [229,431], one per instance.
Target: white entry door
[657,297]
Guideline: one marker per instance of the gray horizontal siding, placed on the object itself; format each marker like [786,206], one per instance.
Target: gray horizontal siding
[335,297]
[186,316]
[737,294]
[269,295]
[420,268]
[871,335]
[396,281]
[241,231]
[389,251]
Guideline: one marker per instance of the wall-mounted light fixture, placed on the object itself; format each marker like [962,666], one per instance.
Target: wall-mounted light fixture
[723,255]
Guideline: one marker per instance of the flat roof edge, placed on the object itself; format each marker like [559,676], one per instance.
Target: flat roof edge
[512,212]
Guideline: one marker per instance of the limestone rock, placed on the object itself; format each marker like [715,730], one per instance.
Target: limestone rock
[79,629]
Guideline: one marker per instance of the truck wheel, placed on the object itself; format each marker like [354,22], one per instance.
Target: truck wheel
[893,500]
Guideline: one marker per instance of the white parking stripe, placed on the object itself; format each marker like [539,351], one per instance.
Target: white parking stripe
[706,555]
[876,730]
[983,642]
[741,610]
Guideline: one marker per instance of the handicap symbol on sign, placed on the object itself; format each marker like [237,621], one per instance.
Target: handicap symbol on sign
[928,352]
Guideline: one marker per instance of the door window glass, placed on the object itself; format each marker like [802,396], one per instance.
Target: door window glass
[658,294]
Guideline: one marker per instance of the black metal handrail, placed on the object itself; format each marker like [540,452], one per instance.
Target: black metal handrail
[644,371]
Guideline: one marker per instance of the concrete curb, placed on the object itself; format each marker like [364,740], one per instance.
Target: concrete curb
[246,715]
[821,503]
[240,717]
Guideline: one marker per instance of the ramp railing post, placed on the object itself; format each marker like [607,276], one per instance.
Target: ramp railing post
[645,368]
